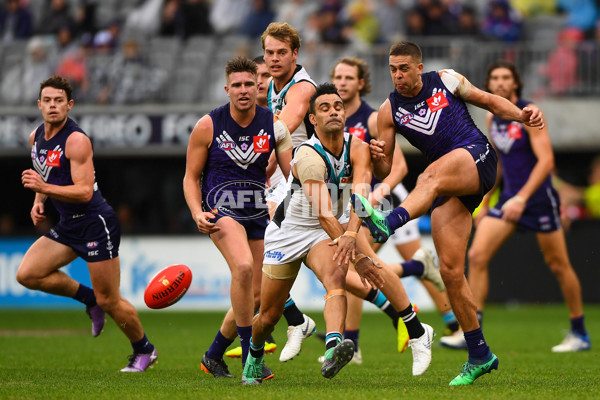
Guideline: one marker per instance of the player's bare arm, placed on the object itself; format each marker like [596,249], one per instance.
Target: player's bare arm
[531,115]
[361,183]
[78,150]
[382,150]
[360,159]
[38,208]
[397,173]
[284,148]
[296,104]
[485,202]
[361,179]
[372,125]
[542,147]
[197,153]
[310,174]
[271,167]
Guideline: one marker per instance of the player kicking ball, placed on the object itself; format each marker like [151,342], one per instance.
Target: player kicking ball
[307,227]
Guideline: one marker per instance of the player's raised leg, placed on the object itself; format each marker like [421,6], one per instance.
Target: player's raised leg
[40,270]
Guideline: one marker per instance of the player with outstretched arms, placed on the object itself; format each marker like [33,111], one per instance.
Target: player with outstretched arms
[429,110]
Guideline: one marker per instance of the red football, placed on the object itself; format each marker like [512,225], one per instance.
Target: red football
[168,286]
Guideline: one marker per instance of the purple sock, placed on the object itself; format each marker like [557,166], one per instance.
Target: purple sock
[85,295]
[412,268]
[478,348]
[245,334]
[352,335]
[398,217]
[218,347]
[142,346]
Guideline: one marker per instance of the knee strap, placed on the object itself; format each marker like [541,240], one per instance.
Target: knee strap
[334,292]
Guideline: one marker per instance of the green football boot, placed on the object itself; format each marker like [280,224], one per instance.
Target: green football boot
[375,220]
[470,372]
[253,371]
[337,357]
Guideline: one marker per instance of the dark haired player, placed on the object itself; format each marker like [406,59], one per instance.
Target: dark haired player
[528,202]
[429,110]
[62,157]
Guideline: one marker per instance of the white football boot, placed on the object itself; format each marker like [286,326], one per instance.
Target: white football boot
[296,335]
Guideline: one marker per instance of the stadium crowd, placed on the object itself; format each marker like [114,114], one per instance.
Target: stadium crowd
[130,52]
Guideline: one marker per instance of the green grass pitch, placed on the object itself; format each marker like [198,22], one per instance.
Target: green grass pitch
[51,355]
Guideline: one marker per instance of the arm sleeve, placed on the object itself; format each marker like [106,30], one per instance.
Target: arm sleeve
[309,165]
[282,136]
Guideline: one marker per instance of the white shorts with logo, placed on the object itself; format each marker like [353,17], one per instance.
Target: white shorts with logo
[290,242]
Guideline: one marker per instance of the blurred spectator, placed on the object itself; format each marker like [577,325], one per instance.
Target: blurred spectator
[130,78]
[106,41]
[196,18]
[65,41]
[15,21]
[55,14]
[145,18]
[561,68]
[589,62]
[415,23]
[502,22]
[334,5]
[257,20]
[468,24]
[438,21]
[580,201]
[73,66]
[226,16]
[21,84]
[454,7]
[331,28]
[171,23]
[531,8]
[363,23]
[297,13]
[581,14]
[85,16]
[392,22]
[185,18]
